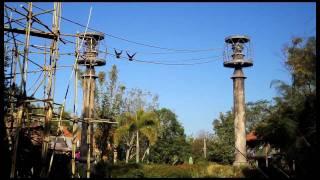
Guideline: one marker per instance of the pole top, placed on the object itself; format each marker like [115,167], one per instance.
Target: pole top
[237,39]
[237,53]
[91,35]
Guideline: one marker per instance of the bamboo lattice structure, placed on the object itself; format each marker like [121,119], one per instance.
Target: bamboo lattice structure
[21,115]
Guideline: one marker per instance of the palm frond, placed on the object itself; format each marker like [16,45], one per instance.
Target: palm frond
[151,133]
[148,119]
[120,132]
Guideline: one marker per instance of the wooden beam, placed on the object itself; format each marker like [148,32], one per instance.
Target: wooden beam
[32,33]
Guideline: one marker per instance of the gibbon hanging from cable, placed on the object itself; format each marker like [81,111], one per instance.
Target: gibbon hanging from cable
[117,53]
[130,57]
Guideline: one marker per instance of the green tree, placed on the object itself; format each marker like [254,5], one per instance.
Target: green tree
[171,145]
[111,102]
[222,149]
[108,102]
[257,112]
[292,123]
[136,124]
[222,143]
[200,144]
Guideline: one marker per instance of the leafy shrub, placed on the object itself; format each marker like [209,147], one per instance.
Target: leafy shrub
[122,170]
[200,170]
[102,169]
[156,171]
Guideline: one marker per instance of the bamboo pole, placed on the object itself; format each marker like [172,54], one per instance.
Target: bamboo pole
[50,88]
[14,59]
[12,107]
[74,127]
[23,85]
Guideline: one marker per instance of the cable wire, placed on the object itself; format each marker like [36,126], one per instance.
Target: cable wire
[161,63]
[130,41]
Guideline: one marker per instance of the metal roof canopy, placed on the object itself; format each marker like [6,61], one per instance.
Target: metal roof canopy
[97,62]
[94,35]
[237,38]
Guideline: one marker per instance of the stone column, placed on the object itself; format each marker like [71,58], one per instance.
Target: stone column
[239,121]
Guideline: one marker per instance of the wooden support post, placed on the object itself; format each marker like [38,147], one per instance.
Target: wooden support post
[74,146]
[89,150]
[137,147]
[50,88]
[15,57]
[205,148]
[23,87]
[75,122]
[88,99]
[16,143]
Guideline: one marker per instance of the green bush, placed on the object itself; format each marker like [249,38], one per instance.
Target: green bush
[166,171]
[200,170]
[122,170]
[102,169]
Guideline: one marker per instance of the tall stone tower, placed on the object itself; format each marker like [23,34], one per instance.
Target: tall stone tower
[236,59]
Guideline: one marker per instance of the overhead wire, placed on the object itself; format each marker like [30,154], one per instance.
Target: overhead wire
[130,41]
[175,52]
[162,63]
[159,62]
[139,52]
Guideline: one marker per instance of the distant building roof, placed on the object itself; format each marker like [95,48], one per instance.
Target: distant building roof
[251,136]
[61,144]
[64,141]
[66,132]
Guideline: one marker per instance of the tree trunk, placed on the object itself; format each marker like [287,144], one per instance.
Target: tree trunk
[130,145]
[115,155]
[127,155]
[145,153]
[137,148]
[204,148]
[131,156]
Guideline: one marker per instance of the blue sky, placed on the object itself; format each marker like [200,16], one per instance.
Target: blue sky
[195,93]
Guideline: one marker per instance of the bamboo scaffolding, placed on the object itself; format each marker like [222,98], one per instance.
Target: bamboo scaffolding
[75,108]
[23,86]
[21,112]
[50,88]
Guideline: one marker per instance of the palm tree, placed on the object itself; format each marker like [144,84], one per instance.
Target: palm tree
[131,125]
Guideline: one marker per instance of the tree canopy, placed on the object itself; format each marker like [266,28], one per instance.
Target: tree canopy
[171,146]
[291,125]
